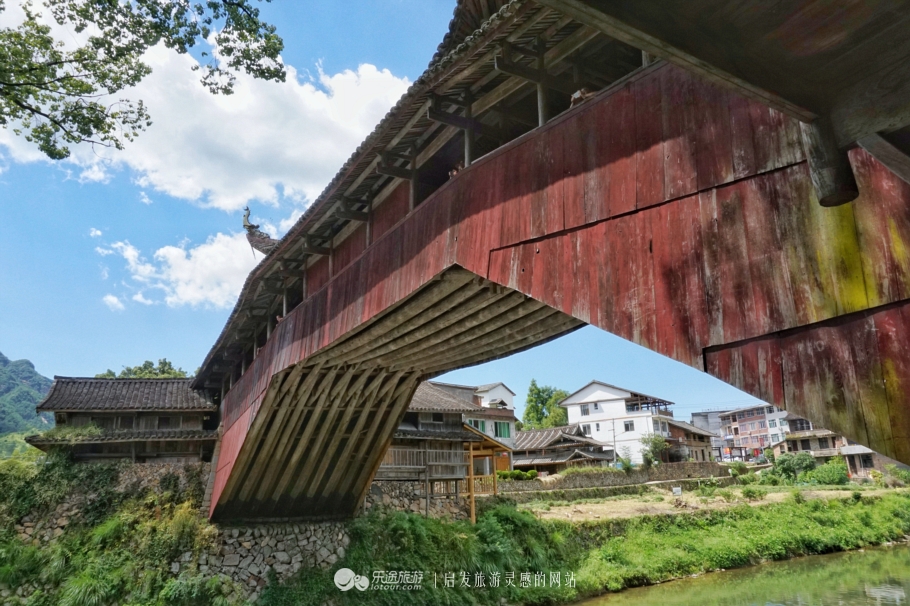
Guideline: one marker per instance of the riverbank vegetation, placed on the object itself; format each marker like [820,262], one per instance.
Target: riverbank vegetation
[121,546]
[603,555]
[119,549]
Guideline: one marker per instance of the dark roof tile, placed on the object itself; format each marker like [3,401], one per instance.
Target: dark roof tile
[82,393]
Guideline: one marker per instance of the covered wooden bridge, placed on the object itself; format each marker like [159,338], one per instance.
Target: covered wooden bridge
[723,183]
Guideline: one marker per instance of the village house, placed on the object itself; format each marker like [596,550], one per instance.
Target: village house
[435,443]
[162,420]
[550,451]
[710,421]
[493,413]
[688,442]
[749,430]
[618,418]
[824,445]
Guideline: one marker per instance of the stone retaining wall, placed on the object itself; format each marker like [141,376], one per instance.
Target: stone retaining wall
[610,477]
[600,492]
[409,496]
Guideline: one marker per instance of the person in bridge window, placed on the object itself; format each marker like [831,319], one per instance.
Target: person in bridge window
[580,96]
[458,167]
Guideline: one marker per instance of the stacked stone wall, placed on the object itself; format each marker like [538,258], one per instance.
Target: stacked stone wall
[611,477]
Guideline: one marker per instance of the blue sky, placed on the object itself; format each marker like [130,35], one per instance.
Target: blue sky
[113,258]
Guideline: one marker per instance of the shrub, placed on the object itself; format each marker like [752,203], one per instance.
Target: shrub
[726,495]
[797,497]
[834,472]
[738,468]
[70,434]
[754,494]
[898,473]
[532,474]
[790,466]
[877,477]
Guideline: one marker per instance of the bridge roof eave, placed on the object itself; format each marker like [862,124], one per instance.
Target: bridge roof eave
[442,68]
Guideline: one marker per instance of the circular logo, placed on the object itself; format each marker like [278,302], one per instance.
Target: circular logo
[345,578]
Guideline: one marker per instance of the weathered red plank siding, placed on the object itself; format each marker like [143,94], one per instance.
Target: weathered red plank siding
[350,248]
[731,261]
[851,372]
[318,274]
[392,210]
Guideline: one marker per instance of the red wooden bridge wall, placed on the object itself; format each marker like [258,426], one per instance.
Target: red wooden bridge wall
[674,214]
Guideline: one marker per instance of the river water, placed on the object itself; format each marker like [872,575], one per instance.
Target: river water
[872,577]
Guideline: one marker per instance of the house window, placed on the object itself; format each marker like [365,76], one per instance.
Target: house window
[586,429]
[761,424]
[866,461]
[584,410]
[166,423]
[597,427]
[801,425]
[769,410]
[783,423]
[665,427]
[751,426]
[805,445]
[596,406]
[126,422]
[479,424]
[629,426]
[501,430]
[736,442]
[823,443]
[775,438]
[437,417]
[772,423]
[633,407]
[793,447]
[740,416]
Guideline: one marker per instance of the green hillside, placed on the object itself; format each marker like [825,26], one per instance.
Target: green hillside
[21,388]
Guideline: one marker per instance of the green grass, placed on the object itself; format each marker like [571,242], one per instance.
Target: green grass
[604,555]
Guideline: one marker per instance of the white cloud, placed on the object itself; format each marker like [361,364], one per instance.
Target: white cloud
[94,233]
[143,197]
[113,302]
[103,251]
[210,274]
[266,140]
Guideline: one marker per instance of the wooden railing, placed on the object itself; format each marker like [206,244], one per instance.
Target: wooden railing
[435,463]
[484,485]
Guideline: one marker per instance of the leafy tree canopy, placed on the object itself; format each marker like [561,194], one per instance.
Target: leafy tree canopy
[542,408]
[147,370]
[60,90]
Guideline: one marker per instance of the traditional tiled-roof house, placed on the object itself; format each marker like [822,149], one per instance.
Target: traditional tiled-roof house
[435,443]
[140,419]
[552,450]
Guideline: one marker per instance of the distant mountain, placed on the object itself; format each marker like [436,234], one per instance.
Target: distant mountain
[21,388]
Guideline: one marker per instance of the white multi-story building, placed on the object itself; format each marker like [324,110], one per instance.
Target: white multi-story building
[494,412]
[618,418]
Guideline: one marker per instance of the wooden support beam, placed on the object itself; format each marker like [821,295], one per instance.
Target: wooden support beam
[464,123]
[347,212]
[885,152]
[535,75]
[584,12]
[471,482]
[310,247]
[395,171]
[829,167]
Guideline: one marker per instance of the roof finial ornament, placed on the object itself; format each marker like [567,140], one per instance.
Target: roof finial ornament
[259,240]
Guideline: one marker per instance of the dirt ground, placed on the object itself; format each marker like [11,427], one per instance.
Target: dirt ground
[663,502]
